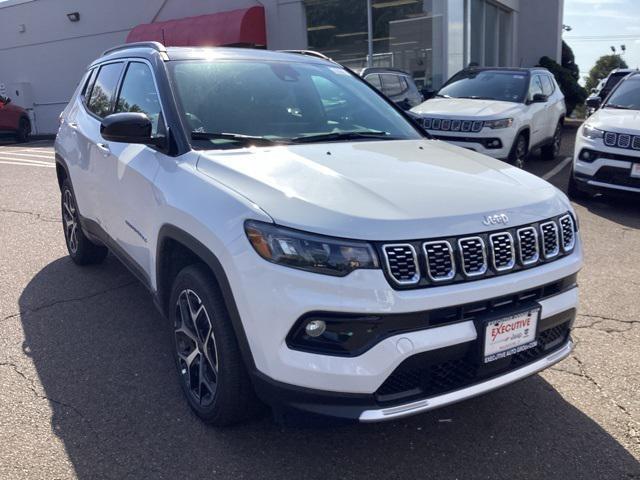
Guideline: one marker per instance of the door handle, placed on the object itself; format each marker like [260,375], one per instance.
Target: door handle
[104,148]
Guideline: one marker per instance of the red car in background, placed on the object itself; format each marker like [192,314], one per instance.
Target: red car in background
[14,120]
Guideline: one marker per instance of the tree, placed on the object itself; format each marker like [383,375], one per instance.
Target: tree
[567,76]
[603,67]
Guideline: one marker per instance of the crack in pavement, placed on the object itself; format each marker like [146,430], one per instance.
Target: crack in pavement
[68,300]
[600,319]
[38,216]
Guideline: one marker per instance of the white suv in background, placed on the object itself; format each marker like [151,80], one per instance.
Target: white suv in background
[505,113]
[607,151]
[308,244]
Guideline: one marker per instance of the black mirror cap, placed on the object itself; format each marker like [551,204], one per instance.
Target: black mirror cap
[427,93]
[594,102]
[539,98]
[129,127]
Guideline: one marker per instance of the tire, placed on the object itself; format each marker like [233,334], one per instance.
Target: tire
[551,151]
[574,191]
[519,151]
[24,131]
[81,250]
[211,372]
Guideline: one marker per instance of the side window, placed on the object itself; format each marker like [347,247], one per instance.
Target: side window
[547,85]
[104,89]
[392,84]
[536,86]
[86,89]
[374,79]
[138,94]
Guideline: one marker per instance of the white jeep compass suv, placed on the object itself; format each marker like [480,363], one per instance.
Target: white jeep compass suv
[310,246]
[607,152]
[505,113]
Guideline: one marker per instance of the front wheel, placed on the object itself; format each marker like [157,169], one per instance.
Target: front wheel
[210,367]
[519,151]
[551,151]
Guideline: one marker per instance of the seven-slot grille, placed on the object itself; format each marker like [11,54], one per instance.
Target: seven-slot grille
[455,125]
[567,233]
[473,257]
[402,263]
[441,264]
[528,249]
[622,140]
[550,243]
[503,255]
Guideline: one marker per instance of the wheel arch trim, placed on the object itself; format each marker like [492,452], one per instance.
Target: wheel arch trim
[176,234]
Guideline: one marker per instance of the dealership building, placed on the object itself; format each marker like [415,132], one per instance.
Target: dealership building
[45,45]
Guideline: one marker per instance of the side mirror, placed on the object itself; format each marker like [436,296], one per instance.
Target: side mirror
[594,102]
[539,98]
[129,127]
[427,93]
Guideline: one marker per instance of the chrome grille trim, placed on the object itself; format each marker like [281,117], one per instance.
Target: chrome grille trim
[464,258]
[396,248]
[622,140]
[610,139]
[547,229]
[429,252]
[500,237]
[521,239]
[567,233]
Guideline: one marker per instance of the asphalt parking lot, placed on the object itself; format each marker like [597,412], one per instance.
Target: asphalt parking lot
[88,388]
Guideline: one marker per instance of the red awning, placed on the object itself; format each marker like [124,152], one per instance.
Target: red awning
[236,27]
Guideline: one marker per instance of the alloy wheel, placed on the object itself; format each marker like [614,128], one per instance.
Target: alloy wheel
[521,152]
[196,348]
[70,220]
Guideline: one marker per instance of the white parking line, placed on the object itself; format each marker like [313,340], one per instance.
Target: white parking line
[8,158]
[557,169]
[22,164]
[41,155]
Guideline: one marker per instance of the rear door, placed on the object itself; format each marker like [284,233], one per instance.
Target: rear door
[554,105]
[98,156]
[132,197]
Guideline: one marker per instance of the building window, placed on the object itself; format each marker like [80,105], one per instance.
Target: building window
[491,35]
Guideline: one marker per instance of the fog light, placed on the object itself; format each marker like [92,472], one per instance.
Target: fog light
[315,328]
[588,156]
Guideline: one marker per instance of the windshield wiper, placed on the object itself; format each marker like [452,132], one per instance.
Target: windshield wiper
[337,136]
[238,137]
[477,97]
[617,107]
[441,95]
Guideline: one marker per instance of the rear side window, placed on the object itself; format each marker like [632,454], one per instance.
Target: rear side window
[86,89]
[104,89]
[374,79]
[138,94]
[393,85]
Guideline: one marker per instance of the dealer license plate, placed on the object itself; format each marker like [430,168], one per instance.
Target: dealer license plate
[635,170]
[510,335]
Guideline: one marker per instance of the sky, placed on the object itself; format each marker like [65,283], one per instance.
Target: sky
[599,24]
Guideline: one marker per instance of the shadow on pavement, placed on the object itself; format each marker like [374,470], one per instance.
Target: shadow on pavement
[103,357]
[623,209]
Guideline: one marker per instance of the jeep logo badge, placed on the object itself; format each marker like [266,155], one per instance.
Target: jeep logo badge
[495,219]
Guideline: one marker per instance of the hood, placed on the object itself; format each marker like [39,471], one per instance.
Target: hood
[465,107]
[619,121]
[382,190]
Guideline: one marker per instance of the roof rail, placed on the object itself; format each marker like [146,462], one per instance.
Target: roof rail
[310,53]
[157,46]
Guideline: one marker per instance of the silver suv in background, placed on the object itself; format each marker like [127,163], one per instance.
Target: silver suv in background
[395,84]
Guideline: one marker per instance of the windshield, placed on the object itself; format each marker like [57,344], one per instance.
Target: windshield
[232,103]
[626,96]
[487,85]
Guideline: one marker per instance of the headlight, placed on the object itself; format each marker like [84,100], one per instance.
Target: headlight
[592,133]
[502,123]
[307,251]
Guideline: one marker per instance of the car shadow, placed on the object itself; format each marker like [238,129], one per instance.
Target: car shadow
[623,209]
[103,357]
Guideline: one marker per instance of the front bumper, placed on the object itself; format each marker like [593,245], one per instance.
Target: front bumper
[478,142]
[610,171]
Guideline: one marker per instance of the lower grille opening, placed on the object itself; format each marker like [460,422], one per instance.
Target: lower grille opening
[452,368]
